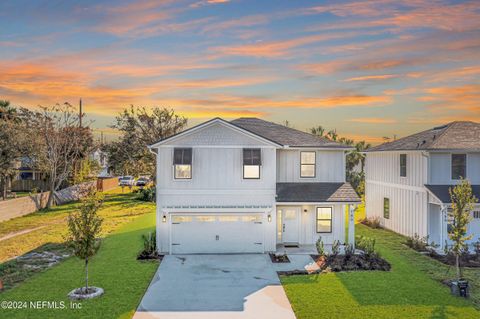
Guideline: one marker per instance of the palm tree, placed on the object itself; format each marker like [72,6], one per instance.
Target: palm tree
[318,131]
[6,111]
[332,135]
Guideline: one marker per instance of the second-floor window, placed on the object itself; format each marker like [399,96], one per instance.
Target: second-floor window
[182,163]
[252,160]
[459,166]
[403,165]
[307,164]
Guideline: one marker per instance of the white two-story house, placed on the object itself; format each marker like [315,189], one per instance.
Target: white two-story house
[408,180]
[249,186]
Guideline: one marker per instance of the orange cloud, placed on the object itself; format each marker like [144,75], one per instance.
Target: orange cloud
[373,120]
[278,48]
[372,77]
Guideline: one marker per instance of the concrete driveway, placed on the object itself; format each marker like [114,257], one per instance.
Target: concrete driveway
[215,286]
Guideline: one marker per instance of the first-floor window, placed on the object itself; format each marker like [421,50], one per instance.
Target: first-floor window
[182,162]
[324,219]
[386,208]
[252,159]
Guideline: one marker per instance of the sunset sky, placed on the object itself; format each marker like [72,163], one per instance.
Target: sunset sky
[368,69]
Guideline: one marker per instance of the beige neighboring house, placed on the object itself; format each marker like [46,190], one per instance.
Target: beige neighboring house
[407,181]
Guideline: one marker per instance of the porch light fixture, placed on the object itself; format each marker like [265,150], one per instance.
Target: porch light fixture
[164,218]
[269,218]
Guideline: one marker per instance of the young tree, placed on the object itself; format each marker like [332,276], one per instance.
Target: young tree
[61,142]
[140,128]
[84,228]
[463,202]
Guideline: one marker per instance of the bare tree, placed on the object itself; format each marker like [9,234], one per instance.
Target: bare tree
[61,142]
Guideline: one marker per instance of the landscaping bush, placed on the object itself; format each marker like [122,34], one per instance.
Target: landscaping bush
[149,247]
[320,247]
[418,243]
[372,222]
[368,260]
[147,194]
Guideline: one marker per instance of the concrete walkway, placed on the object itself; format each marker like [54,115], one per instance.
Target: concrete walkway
[218,286]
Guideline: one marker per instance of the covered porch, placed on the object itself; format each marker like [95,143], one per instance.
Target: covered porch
[439,205]
[307,212]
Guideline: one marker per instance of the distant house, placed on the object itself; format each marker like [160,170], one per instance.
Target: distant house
[408,180]
[101,158]
[28,177]
[250,186]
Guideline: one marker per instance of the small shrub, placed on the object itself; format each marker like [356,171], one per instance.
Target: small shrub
[367,245]
[335,248]
[147,194]
[372,222]
[349,251]
[418,243]
[149,246]
[320,247]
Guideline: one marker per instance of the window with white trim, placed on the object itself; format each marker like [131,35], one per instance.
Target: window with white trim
[252,160]
[476,214]
[324,219]
[307,164]
[182,163]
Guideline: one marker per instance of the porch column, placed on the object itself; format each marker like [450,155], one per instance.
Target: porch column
[443,225]
[351,224]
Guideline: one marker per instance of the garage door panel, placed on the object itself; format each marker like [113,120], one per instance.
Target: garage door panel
[217,233]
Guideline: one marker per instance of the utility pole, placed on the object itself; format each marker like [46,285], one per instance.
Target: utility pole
[80,115]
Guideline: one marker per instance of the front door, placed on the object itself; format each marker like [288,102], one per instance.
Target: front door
[290,224]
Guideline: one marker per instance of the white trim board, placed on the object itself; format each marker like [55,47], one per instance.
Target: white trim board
[401,186]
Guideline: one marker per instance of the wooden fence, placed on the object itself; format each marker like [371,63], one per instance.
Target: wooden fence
[28,185]
[105,184]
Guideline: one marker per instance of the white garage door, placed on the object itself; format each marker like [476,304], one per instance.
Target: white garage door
[217,233]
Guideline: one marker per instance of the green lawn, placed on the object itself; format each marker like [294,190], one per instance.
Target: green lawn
[114,268]
[412,289]
[51,226]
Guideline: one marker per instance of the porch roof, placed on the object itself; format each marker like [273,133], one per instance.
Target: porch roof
[316,192]
[441,192]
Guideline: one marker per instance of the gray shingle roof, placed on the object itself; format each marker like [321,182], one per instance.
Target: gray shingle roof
[283,135]
[461,135]
[316,192]
[442,193]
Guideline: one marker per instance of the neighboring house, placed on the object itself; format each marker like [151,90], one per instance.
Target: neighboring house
[249,186]
[102,159]
[408,180]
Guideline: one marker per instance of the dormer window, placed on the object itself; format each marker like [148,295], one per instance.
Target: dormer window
[182,163]
[307,164]
[403,165]
[252,160]
[459,166]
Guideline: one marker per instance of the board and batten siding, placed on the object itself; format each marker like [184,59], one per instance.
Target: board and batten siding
[407,195]
[440,172]
[330,166]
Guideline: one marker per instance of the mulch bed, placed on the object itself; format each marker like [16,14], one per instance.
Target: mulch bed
[351,263]
[144,256]
[472,261]
[279,258]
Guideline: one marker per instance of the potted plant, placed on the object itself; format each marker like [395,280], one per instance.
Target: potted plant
[463,202]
